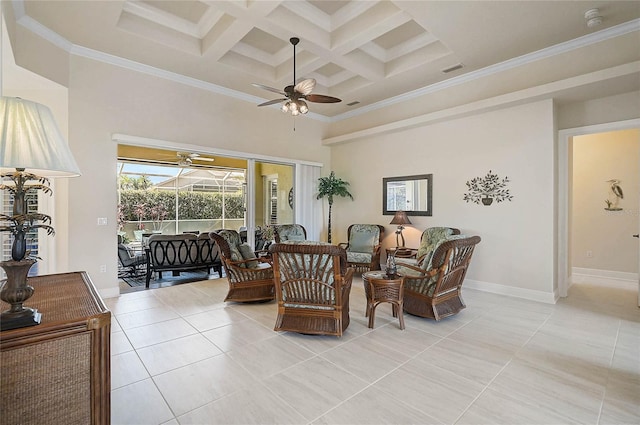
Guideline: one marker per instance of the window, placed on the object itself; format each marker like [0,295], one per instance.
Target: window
[173,199]
[272,200]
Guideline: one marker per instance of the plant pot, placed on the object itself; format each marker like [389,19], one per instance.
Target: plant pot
[487,201]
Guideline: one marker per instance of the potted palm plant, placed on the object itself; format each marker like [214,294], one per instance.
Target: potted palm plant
[329,187]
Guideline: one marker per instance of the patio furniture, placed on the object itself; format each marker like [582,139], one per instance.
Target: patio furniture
[130,262]
[250,278]
[290,232]
[178,253]
[313,283]
[363,246]
[433,288]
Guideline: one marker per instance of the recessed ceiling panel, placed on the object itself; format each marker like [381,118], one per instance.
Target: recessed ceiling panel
[264,41]
[186,9]
[329,70]
[399,35]
[329,7]
[369,50]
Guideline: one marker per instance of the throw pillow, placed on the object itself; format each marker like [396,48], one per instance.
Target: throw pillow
[431,239]
[248,254]
[236,255]
[362,242]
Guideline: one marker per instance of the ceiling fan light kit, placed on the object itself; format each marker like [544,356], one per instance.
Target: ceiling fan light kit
[295,95]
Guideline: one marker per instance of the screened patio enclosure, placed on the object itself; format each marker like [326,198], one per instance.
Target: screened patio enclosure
[171,199]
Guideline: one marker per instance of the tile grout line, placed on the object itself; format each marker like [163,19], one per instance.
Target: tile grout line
[501,370]
[606,384]
[441,338]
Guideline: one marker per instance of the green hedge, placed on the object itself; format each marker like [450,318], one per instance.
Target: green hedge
[192,205]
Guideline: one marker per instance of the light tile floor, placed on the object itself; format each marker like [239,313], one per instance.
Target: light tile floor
[180,355]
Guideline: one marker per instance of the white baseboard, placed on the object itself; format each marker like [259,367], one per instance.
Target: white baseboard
[512,291]
[602,277]
[109,292]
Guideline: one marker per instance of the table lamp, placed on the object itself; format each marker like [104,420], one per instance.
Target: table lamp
[32,145]
[400,218]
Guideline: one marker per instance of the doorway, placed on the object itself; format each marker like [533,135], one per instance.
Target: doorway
[565,205]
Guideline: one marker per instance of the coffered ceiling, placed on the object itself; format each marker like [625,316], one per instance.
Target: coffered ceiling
[364,52]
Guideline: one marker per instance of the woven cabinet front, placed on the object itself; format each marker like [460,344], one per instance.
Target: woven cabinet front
[58,372]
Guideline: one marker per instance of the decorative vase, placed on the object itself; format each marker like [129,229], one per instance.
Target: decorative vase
[15,292]
[391,269]
[487,200]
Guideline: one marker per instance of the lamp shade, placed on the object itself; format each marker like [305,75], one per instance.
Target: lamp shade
[400,218]
[31,139]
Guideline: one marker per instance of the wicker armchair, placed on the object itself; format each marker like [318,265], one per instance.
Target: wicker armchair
[433,288]
[313,284]
[250,279]
[363,246]
[430,239]
[290,232]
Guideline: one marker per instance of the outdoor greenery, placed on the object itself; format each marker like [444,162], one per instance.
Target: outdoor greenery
[159,205]
[137,183]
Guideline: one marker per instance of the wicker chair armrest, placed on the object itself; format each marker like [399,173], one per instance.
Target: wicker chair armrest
[264,256]
[423,273]
[348,277]
[242,274]
[344,245]
[237,263]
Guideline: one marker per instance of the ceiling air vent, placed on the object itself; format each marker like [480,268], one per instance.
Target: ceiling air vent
[453,68]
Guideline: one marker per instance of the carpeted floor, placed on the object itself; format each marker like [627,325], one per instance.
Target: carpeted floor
[133,284]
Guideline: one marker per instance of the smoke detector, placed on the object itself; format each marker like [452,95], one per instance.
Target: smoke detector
[593,17]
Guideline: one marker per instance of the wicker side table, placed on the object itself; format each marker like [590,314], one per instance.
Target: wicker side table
[381,289]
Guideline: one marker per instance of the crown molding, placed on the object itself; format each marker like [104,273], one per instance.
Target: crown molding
[56,39]
[557,49]
[531,94]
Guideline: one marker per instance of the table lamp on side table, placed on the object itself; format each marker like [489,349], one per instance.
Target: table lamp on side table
[29,140]
[400,218]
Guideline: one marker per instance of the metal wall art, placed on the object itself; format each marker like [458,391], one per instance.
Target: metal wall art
[487,189]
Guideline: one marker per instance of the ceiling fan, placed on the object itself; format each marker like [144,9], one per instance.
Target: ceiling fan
[186,158]
[296,94]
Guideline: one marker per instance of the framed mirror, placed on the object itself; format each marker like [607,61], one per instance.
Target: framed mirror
[411,194]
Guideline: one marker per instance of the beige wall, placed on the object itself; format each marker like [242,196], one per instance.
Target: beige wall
[621,107]
[19,82]
[284,174]
[605,235]
[104,99]
[517,248]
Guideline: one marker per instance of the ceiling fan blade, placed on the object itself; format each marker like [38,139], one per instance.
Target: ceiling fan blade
[305,87]
[321,98]
[271,89]
[272,102]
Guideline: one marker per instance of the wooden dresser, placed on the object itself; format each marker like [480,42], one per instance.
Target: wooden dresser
[58,372]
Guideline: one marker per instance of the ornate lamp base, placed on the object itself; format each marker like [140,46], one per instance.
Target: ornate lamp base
[15,291]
